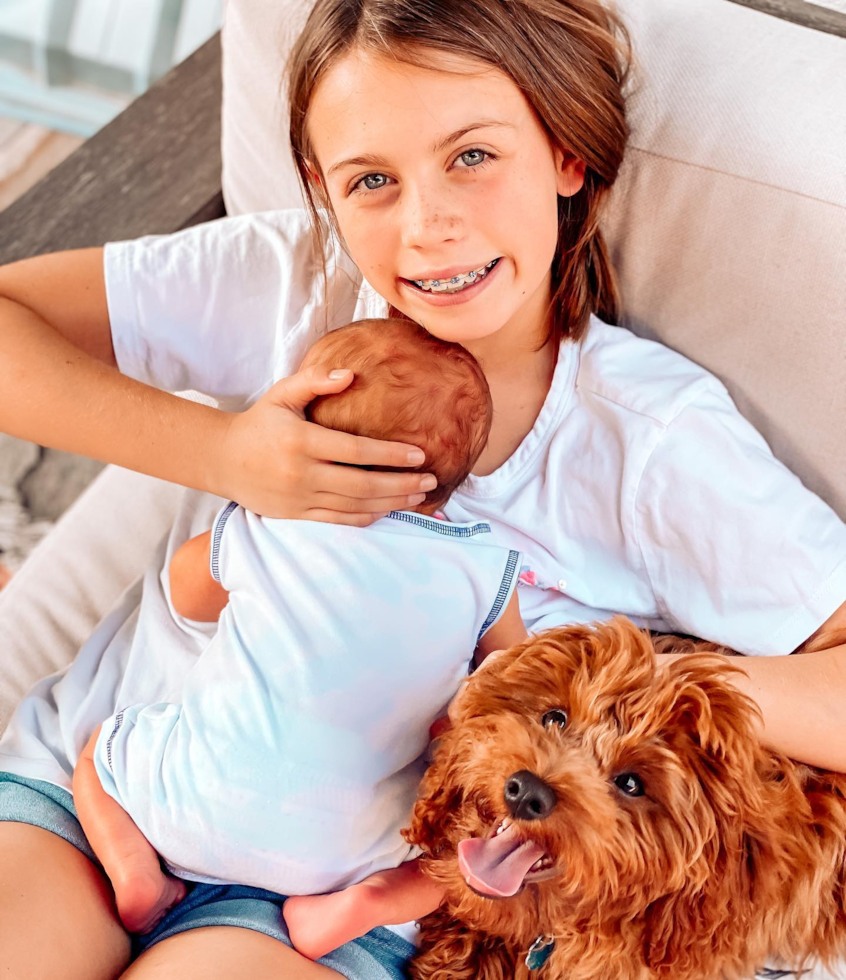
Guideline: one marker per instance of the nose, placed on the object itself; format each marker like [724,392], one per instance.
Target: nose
[428,217]
[528,797]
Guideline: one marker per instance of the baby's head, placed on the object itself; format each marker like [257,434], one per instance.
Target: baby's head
[408,387]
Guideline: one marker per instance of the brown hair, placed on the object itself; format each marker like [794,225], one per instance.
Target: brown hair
[569,58]
[409,387]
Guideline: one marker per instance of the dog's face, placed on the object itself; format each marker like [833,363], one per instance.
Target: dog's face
[583,786]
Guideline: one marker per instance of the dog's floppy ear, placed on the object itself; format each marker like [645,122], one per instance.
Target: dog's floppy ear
[691,931]
[439,801]
[449,950]
[673,927]
[729,816]
[718,717]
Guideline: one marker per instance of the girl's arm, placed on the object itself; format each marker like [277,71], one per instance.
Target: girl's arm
[61,388]
[802,698]
[193,591]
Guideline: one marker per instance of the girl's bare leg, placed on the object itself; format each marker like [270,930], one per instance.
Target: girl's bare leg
[318,924]
[224,953]
[57,915]
[143,892]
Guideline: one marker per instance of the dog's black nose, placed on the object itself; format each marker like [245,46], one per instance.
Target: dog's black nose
[528,797]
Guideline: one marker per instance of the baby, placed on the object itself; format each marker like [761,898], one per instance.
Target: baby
[293,759]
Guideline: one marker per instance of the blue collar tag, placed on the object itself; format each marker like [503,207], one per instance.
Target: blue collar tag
[539,952]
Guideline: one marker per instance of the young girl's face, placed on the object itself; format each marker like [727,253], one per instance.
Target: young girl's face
[436,173]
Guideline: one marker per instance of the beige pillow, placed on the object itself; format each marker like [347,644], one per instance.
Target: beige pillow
[728,223]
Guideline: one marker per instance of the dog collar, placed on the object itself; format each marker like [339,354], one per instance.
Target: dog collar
[539,952]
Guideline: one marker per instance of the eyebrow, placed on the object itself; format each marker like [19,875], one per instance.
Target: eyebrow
[373,160]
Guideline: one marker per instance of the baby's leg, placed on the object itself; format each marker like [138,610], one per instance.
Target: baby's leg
[143,892]
[318,924]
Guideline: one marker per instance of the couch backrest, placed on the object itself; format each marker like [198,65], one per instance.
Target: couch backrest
[728,221]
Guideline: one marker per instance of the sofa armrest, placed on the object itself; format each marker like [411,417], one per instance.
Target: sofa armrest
[154,169]
[100,546]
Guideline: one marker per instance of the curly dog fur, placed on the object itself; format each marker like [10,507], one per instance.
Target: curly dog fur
[730,854]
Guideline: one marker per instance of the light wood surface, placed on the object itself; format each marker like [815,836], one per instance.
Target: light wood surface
[27,153]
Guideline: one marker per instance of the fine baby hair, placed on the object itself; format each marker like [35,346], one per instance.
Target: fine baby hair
[409,387]
[569,58]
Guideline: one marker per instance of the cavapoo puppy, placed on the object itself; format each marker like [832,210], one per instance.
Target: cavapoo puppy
[594,816]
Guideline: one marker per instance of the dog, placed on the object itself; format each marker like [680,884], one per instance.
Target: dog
[593,814]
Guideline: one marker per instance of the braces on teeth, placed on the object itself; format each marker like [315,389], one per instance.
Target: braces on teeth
[455,283]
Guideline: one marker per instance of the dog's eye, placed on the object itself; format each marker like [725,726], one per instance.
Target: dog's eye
[629,783]
[555,717]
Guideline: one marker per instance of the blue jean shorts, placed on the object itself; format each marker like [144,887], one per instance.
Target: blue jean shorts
[380,955]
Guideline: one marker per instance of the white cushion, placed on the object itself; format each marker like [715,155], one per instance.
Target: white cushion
[75,575]
[728,222]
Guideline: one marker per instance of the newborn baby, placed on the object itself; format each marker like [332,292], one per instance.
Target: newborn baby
[293,759]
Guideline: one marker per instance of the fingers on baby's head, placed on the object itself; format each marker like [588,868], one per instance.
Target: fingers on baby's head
[409,387]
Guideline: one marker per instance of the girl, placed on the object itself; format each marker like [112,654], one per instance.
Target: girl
[461,152]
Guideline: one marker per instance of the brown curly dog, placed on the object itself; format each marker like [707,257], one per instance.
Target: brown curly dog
[624,819]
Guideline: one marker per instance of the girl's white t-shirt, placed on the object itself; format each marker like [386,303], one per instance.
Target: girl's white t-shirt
[640,488]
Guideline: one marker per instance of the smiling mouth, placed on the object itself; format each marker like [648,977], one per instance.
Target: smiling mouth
[455,284]
[500,864]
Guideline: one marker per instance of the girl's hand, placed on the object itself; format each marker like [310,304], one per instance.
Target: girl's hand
[273,462]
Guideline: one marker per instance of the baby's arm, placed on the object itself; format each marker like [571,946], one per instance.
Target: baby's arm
[143,893]
[193,591]
[317,924]
[507,631]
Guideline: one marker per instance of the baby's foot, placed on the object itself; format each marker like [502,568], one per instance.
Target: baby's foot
[317,924]
[144,894]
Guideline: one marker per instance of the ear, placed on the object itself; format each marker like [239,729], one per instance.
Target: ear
[440,798]
[449,950]
[720,718]
[570,173]
[314,179]
[671,924]
[740,864]
[694,931]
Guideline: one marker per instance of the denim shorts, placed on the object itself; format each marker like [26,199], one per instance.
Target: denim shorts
[380,955]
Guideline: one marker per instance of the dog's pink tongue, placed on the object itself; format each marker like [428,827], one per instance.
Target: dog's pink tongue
[496,866]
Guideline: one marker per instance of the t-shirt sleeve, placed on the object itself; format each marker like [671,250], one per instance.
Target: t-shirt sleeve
[506,582]
[214,307]
[224,530]
[738,551]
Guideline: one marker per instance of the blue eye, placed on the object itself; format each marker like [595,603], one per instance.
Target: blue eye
[483,158]
[372,177]
[468,153]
